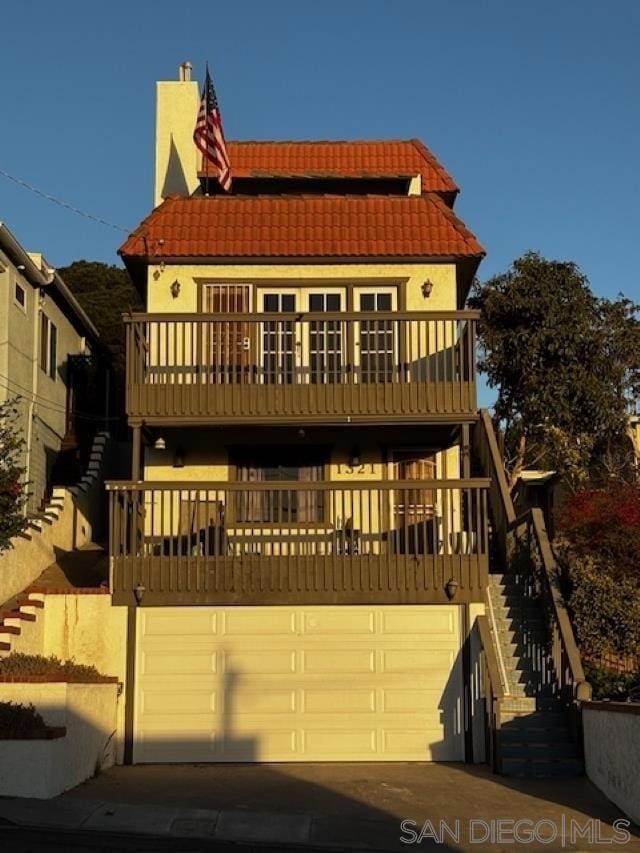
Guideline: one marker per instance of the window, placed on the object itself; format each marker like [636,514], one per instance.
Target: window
[280,506]
[48,346]
[20,296]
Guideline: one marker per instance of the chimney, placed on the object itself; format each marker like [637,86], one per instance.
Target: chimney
[177,158]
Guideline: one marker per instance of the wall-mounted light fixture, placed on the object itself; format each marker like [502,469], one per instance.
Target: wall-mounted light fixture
[451,587]
[178,457]
[427,288]
[139,592]
[354,457]
[175,289]
[159,443]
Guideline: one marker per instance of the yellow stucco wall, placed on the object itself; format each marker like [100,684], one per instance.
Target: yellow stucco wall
[442,298]
[176,167]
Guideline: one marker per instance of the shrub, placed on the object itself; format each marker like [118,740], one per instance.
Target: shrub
[610,685]
[19,719]
[13,492]
[604,523]
[605,610]
[17,664]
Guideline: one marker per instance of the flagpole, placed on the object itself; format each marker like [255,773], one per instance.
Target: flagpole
[205,160]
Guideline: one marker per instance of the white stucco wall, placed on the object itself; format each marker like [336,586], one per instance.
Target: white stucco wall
[46,768]
[612,752]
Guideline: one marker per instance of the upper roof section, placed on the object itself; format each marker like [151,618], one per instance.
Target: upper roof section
[290,226]
[358,159]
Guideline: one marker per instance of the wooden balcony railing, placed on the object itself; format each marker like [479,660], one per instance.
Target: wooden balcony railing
[323,366]
[315,542]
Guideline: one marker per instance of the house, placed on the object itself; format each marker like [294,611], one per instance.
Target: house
[48,346]
[303,547]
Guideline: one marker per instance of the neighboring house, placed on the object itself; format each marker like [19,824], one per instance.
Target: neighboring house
[46,341]
[543,489]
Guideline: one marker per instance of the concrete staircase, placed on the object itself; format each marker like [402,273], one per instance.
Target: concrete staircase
[20,618]
[534,737]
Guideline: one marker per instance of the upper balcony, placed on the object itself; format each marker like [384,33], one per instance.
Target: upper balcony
[315,367]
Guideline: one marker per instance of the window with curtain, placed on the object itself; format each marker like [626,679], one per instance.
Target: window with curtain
[293,505]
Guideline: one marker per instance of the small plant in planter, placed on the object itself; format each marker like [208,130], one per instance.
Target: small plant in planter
[19,719]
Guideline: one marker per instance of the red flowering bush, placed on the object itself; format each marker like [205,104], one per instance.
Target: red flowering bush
[605,525]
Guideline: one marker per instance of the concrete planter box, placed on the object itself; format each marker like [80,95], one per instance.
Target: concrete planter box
[79,742]
[612,752]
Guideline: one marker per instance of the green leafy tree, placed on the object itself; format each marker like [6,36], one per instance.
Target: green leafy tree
[565,363]
[13,493]
[106,292]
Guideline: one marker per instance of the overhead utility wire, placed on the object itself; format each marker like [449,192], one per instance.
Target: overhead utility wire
[64,204]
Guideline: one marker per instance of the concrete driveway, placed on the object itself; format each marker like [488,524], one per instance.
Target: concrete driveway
[363,805]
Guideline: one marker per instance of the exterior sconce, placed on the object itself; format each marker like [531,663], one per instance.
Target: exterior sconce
[139,592]
[159,443]
[451,587]
[427,287]
[354,458]
[175,289]
[178,458]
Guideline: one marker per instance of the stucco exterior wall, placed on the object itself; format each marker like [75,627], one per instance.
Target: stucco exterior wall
[44,769]
[41,418]
[207,461]
[87,629]
[612,752]
[159,280]
[176,167]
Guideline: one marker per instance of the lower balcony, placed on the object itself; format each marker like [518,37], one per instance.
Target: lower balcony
[402,541]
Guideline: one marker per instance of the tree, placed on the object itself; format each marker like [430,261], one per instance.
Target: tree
[105,292]
[13,493]
[566,365]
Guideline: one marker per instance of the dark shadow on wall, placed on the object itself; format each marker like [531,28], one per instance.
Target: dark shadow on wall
[174,179]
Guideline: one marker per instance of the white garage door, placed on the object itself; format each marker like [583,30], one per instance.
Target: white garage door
[298,684]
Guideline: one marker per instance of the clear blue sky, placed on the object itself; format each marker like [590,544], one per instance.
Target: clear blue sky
[532,106]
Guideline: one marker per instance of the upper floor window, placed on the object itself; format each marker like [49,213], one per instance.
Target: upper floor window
[20,296]
[48,346]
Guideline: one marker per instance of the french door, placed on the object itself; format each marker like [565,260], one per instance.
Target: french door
[377,344]
[302,351]
[226,345]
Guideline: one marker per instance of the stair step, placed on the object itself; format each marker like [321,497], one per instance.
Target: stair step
[19,615]
[541,768]
[514,733]
[529,704]
[25,601]
[538,750]
[9,629]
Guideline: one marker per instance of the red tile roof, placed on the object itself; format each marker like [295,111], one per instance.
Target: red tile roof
[331,159]
[302,226]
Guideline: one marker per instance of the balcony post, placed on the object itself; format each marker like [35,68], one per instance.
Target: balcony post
[465,452]
[136,452]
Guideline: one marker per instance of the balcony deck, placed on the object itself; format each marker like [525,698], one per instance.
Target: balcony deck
[309,543]
[314,367]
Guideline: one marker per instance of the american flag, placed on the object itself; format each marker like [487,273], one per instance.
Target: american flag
[209,135]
